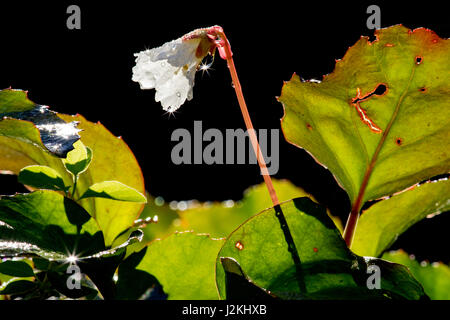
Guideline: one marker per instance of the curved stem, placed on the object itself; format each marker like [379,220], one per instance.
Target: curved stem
[250,129]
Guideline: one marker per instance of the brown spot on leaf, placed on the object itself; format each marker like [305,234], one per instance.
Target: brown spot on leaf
[309,126]
[389,45]
[423,89]
[315,249]
[398,141]
[419,59]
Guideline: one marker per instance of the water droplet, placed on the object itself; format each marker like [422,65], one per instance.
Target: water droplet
[182,205]
[173,205]
[163,64]
[228,203]
[178,94]
[239,245]
[159,201]
[232,84]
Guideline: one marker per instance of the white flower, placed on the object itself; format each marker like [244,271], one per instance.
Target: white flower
[170,69]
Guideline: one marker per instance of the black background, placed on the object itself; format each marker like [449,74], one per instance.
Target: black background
[88,71]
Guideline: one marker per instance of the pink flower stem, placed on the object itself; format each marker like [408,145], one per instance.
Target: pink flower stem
[225,53]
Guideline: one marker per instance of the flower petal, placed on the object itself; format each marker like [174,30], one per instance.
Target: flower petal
[170,69]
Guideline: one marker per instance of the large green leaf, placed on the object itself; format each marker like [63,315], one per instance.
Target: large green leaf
[315,265]
[184,265]
[434,277]
[112,216]
[377,143]
[43,222]
[24,120]
[47,207]
[381,224]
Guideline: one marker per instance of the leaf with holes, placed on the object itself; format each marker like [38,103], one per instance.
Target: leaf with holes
[380,121]
[381,224]
[294,251]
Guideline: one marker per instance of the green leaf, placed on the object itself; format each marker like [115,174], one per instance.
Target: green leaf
[42,177]
[434,277]
[46,208]
[132,283]
[184,265]
[41,263]
[412,143]
[78,160]
[12,100]
[381,224]
[113,190]
[113,217]
[16,269]
[19,287]
[101,265]
[316,265]
[32,123]
[41,223]
[237,284]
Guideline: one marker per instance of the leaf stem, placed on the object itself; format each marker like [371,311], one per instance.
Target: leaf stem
[75,180]
[352,220]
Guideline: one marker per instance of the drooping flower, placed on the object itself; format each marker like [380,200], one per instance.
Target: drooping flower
[171,68]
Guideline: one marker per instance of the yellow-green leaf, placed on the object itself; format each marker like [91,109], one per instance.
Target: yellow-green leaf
[184,264]
[114,190]
[381,224]
[380,122]
[434,277]
[42,177]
